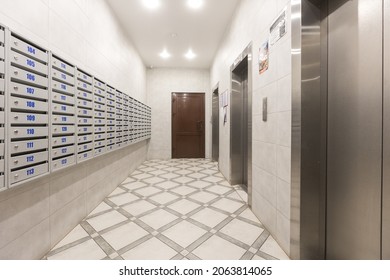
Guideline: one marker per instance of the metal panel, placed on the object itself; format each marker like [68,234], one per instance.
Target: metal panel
[28,63]
[100,136]
[99,114]
[85,121]
[100,99]
[29,77]
[84,86]
[241,122]
[85,156]
[63,119]
[62,129]
[99,121]
[84,147]
[62,141]
[84,95]
[2,52]
[29,159]
[62,87]
[84,138]
[28,146]
[27,173]
[386,136]
[99,151]
[84,77]
[99,107]
[2,35]
[100,129]
[62,109]
[354,130]
[28,104]
[62,98]
[60,76]
[62,151]
[63,162]
[84,112]
[28,118]
[28,49]
[85,129]
[28,132]
[84,104]
[99,143]
[28,91]
[61,65]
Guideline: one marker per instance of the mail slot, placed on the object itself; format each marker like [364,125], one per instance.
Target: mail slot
[99,107]
[84,86]
[63,66]
[27,118]
[84,104]
[99,151]
[84,156]
[28,159]
[63,162]
[100,143]
[28,91]
[99,84]
[99,121]
[99,114]
[84,129]
[62,98]
[99,136]
[99,92]
[85,121]
[84,138]
[85,95]
[83,112]
[28,172]
[60,76]
[28,63]
[29,77]
[62,87]
[63,119]
[28,132]
[100,99]
[84,147]
[28,146]
[28,49]
[100,129]
[62,140]
[62,151]
[84,77]
[62,109]
[63,129]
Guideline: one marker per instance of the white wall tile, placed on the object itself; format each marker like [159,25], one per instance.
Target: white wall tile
[264,156]
[265,212]
[283,232]
[284,129]
[284,163]
[284,94]
[264,184]
[283,197]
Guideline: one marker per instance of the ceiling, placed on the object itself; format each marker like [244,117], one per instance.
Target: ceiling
[152,31]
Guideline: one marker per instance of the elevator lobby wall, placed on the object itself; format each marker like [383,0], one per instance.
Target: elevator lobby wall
[271,140]
[161,82]
[35,216]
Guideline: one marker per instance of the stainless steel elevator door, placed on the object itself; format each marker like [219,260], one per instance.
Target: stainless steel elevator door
[354,130]
[386,136]
[215,124]
[239,125]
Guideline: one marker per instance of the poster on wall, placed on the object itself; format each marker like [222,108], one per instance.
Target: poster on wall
[278,28]
[263,57]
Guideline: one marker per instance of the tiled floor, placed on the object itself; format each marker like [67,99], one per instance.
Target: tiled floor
[174,209]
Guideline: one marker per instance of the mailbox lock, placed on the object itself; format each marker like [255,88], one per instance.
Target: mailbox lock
[16,72]
[16,131]
[16,102]
[16,88]
[16,175]
[16,117]
[15,43]
[16,146]
[16,58]
[16,161]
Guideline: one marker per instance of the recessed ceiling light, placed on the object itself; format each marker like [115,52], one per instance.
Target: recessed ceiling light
[195,4]
[151,4]
[190,54]
[165,54]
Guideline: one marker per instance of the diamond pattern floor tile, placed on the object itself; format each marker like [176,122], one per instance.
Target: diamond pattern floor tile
[171,209]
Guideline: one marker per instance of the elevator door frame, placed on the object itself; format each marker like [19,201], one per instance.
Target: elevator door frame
[246,58]
[215,124]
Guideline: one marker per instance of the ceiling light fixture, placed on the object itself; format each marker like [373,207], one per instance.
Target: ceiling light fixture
[151,4]
[165,54]
[195,4]
[190,54]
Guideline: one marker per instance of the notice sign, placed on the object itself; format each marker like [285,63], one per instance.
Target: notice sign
[278,28]
[263,57]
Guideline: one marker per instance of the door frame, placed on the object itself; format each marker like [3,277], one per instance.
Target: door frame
[215,91]
[204,125]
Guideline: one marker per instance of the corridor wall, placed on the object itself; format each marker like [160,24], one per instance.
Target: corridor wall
[35,216]
[271,139]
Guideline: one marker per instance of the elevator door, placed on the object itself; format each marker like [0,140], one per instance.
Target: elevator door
[239,126]
[354,130]
[215,121]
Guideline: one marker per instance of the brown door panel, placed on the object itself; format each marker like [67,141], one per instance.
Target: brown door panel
[188,131]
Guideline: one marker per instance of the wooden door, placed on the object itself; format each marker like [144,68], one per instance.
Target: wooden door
[188,125]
